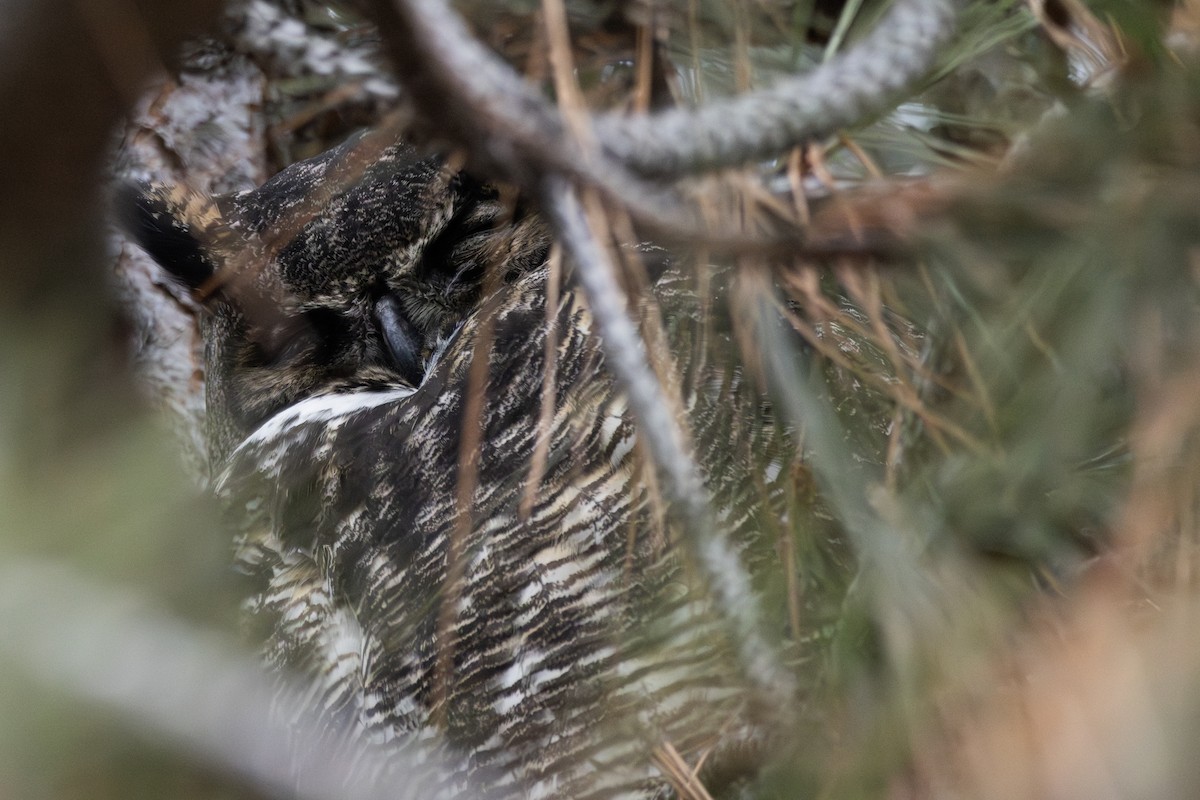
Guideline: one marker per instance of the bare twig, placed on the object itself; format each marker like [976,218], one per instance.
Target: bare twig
[681,774]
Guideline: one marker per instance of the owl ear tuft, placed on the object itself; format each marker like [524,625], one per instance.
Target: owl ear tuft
[157,218]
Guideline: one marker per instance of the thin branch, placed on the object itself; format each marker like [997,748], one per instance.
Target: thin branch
[625,356]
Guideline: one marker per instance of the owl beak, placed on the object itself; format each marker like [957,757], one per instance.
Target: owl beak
[401,337]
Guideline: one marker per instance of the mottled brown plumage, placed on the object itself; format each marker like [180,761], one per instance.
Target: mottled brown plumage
[339,373]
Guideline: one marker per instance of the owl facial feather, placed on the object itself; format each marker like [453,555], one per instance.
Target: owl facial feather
[375,276]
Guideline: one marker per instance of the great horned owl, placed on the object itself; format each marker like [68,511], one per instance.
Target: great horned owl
[574,652]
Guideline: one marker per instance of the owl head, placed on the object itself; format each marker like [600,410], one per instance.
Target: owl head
[313,290]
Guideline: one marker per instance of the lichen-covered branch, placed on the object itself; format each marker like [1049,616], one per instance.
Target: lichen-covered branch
[433,51]
[473,100]
[859,84]
[469,98]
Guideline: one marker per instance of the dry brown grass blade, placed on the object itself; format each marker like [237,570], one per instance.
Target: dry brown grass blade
[537,465]
[679,773]
[643,70]
[904,394]
[863,157]
[467,482]
[566,87]
[795,175]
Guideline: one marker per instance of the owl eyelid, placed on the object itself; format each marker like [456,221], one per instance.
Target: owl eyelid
[401,338]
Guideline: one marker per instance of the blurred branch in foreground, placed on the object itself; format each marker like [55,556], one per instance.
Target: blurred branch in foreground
[110,647]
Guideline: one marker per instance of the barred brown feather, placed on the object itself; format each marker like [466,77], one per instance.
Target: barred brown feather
[578,644]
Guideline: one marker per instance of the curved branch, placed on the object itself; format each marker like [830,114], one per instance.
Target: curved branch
[512,133]
[855,86]
[474,93]
[482,105]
